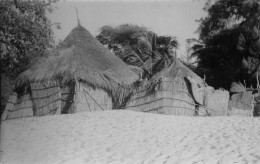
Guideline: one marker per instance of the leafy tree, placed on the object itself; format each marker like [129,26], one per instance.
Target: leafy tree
[25,32]
[138,46]
[229,38]
[6,90]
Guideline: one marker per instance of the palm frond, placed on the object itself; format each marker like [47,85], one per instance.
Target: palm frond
[237,87]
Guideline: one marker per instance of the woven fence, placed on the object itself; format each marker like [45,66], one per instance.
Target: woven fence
[46,98]
[216,104]
[241,104]
[240,112]
[91,99]
[12,99]
[166,96]
[19,107]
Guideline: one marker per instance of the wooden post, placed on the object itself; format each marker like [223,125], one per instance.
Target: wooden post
[76,96]
[9,106]
[245,83]
[257,80]
[252,106]
[60,101]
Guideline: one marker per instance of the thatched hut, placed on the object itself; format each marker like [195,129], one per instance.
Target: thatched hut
[168,92]
[241,102]
[171,92]
[84,76]
[211,102]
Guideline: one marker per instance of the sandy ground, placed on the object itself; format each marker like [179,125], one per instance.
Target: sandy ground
[130,137]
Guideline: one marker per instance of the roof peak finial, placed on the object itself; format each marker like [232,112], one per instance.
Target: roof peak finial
[77,16]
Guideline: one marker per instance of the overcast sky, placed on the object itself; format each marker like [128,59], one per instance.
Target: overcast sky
[167,17]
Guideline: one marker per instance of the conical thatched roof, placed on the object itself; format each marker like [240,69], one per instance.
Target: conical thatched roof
[81,56]
[177,69]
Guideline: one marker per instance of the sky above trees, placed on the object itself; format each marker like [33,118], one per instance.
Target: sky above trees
[174,18]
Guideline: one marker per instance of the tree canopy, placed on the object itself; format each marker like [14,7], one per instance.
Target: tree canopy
[138,46]
[25,32]
[228,39]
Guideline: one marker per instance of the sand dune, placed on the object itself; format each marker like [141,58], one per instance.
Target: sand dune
[115,137]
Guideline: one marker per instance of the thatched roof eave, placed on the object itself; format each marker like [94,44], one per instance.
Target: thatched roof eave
[81,56]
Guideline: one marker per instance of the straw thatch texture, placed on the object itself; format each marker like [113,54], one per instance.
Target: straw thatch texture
[139,71]
[46,98]
[216,104]
[12,99]
[165,96]
[240,112]
[84,58]
[18,107]
[89,99]
[59,82]
[168,92]
[177,69]
[241,104]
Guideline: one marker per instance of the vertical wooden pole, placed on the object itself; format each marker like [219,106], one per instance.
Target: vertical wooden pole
[257,85]
[12,99]
[76,96]
[60,101]
[252,106]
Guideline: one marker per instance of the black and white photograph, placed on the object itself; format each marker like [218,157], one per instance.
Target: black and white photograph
[130,81]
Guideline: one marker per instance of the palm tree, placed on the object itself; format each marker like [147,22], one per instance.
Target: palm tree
[217,58]
[140,47]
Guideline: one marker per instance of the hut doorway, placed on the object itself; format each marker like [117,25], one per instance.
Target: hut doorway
[67,98]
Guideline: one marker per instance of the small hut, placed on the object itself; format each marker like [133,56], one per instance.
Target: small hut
[168,92]
[172,92]
[83,76]
[241,102]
